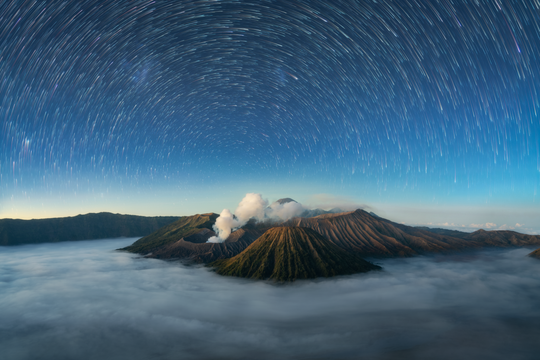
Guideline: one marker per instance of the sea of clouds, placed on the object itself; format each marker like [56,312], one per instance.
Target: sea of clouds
[83,300]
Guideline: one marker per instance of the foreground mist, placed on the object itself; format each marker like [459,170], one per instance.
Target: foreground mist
[83,300]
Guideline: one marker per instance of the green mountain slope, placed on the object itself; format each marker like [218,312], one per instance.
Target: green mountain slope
[81,227]
[290,253]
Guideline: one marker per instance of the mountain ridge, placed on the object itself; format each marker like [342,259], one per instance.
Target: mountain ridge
[90,226]
[354,231]
[378,237]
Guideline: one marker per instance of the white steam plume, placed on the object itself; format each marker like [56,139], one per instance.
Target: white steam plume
[251,206]
[284,211]
[223,226]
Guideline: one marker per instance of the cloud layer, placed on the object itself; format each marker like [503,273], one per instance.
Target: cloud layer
[83,300]
[486,226]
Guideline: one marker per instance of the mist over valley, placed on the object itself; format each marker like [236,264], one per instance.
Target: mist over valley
[85,300]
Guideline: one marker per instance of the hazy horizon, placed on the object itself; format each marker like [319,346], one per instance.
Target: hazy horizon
[516,219]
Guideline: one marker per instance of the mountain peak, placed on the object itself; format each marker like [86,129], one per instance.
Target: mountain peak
[284,201]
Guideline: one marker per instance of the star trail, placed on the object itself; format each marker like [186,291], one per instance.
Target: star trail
[399,101]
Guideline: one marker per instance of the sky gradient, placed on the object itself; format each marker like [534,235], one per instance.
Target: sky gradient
[425,112]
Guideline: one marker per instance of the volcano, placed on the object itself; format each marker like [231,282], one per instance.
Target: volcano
[358,232]
[290,253]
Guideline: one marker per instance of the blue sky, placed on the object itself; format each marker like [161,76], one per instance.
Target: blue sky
[426,113]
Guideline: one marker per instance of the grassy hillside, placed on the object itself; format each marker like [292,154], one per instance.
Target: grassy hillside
[81,227]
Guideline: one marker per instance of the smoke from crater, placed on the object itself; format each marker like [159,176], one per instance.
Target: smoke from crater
[253,206]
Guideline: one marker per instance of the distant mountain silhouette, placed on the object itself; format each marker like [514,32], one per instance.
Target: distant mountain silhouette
[81,227]
[290,253]
[453,233]
[502,238]
[315,212]
[535,254]
[285,200]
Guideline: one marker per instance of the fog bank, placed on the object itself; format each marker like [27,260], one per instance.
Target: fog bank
[83,300]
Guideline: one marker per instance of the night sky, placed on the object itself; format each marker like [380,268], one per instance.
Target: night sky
[425,112]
